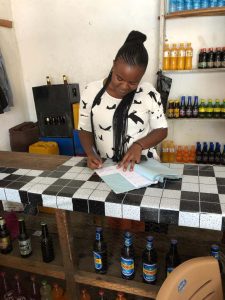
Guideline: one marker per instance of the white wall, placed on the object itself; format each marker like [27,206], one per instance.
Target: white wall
[9,49]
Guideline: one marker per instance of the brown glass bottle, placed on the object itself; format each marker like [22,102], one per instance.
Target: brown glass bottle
[46,244]
[24,240]
[5,239]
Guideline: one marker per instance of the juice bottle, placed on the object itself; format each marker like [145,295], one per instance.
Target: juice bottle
[176,109]
[171,153]
[166,57]
[170,110]
[209,109]
[185,154]
[165,151]
[173,57]
[181,57]
[179,154]
[217,109]
[188,57]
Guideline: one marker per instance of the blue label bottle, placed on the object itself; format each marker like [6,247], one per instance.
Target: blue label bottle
[149,262]
[100,252]
[127,257]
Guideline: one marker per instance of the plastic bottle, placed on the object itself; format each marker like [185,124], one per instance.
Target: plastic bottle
[179,154]
[172,257]
[215,252]
[222,107]
[188,57]
[198,153]
[180,5]
[202,109]
[210,58]
[181,57]
[213,3]
[100,252]
[189,109]
[166,57]
[182,107]
[171,154]
[204,3]
[127,257]
[188,4]
[186,154]
[205,158]
[149,262]
[173,57]
[202,62]
[45,291]
[85,295]
[120,296]
[217,109]
[211,153]
[209,109]
[217,62]
[165,152]
[196,4]
[176,109]
[170,110]
[217,154]
[220,3]
[195,108]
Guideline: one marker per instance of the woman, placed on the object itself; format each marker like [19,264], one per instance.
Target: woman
[121,118]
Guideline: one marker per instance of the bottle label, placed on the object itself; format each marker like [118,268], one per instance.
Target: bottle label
[195,112]
[181,53]
[189,53]
[215,254]
[169,270]
[201,109]
[166,53]
[182,112]
[173,53]
[217,109]
[149,272]
[127,266]
[25,247]
[209,109]
[189,112]
[97,260]
[4,242]
[165,149]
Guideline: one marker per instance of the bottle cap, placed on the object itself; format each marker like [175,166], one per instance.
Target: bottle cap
[150,238]
[173,242]
[128,234]
[215,247]
[44,282]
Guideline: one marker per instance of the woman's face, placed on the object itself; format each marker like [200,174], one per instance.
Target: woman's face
[125,78]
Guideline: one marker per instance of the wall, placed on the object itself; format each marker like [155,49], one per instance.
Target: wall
[9,49]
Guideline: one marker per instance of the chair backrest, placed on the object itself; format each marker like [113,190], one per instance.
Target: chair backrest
[196,279]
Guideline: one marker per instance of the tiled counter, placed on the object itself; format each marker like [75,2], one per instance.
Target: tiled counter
[197,200]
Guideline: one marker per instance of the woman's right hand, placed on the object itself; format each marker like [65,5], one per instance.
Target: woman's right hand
[94,161]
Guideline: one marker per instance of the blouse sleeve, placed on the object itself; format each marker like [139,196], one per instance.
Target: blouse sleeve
[85,110]
[157,117]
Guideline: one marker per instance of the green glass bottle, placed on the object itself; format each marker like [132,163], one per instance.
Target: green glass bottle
[217,109]
[209,109]
[202,109]
[222,108]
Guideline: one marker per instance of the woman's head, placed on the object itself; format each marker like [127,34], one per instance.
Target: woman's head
[129,65]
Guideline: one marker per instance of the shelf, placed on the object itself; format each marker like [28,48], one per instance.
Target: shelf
[213,70]
[196,119]
[215,11]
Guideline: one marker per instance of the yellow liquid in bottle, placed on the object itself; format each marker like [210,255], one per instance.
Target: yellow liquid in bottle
[166,57]
[188,57]
[181,57]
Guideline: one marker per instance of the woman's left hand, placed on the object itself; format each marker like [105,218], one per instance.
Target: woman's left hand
[132,156]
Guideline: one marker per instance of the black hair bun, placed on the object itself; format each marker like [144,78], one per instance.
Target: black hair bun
[136,37]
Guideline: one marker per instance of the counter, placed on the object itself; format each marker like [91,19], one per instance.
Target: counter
[196,200]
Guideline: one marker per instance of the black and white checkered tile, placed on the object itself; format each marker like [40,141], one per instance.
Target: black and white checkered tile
[197,200]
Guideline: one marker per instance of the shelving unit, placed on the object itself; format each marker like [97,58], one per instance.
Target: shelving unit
[212,11]
[213,70]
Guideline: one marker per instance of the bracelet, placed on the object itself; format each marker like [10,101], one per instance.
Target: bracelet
[138,143]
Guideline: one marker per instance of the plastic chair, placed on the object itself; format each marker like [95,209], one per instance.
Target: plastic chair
[196,279]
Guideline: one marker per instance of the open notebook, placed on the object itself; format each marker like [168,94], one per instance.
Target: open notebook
[144,174]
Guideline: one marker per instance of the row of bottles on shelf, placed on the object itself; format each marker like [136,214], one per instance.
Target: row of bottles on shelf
[180,5]
[182,109]
[211,58]
[85,295]
[150,262]
[15,290]
[208,155]
[177,58]
[24,241]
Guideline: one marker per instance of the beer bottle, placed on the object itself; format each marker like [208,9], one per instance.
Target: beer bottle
[176,110]
[170,110]
[48,80]
[202,109]
[172,257]
[8,293]
[46,244]
[217,58]
[120,296]
[209,109]
[19,293]
[85,295]
[205,157]
[223,156]
[222,113]
[34,291]
[195,107]
[149,262]
[215,252]
[209,58]
[217,109]
[24,240]
[127,257]
[100,252]
[45,291]
[65,79]
[182,107]
[5,239]
[211,154]
[217,154]
[189,108]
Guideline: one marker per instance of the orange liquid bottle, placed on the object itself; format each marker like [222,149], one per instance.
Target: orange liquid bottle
[179,154]
[188,57]
[171,152]
[181,57]
[165,152]
[173,57]
[185,154]
[166,57]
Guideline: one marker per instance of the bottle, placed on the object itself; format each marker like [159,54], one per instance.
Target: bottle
[220,3]
[205,157]
[173,57]
[198,153]
[8,293]
[176,110]
[195,107]
[5,239]
[166,57]
[172,257]
[186,154]
[85,295]
[222,112]
[165,152]
[210,58]
[217,109]
[204,3]
[101,294]
[57,292]
[46,244]
[120,296]
[202,64]
[171,154]
[65,79]
[212,3]
[48,80]
[196,4]
[24,240]
[215,252]
[209,109]
[188,4]
[180,5]
[181,57]
[217,154]
[127,257]
[211,154]
[45,291]
[182,107]
[189,108]
[100,252]
[188,57]
[217,58]
[223,58]
[179,154]
[170,110]
[20,294]
[223,156]
[149,262]
[200,59]
[34,291]
[202,109]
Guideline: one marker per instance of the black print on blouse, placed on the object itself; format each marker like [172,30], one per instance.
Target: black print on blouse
[135,118]
[127,140]
[100,137]
[112,107]
[98,102]
[105,129]
[141,130]
[150,154]
[152,95]
[139,91]
[136,102]
[85,104]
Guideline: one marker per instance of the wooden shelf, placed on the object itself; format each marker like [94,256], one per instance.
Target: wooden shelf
[215,11]
[213,70]
[196,119]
